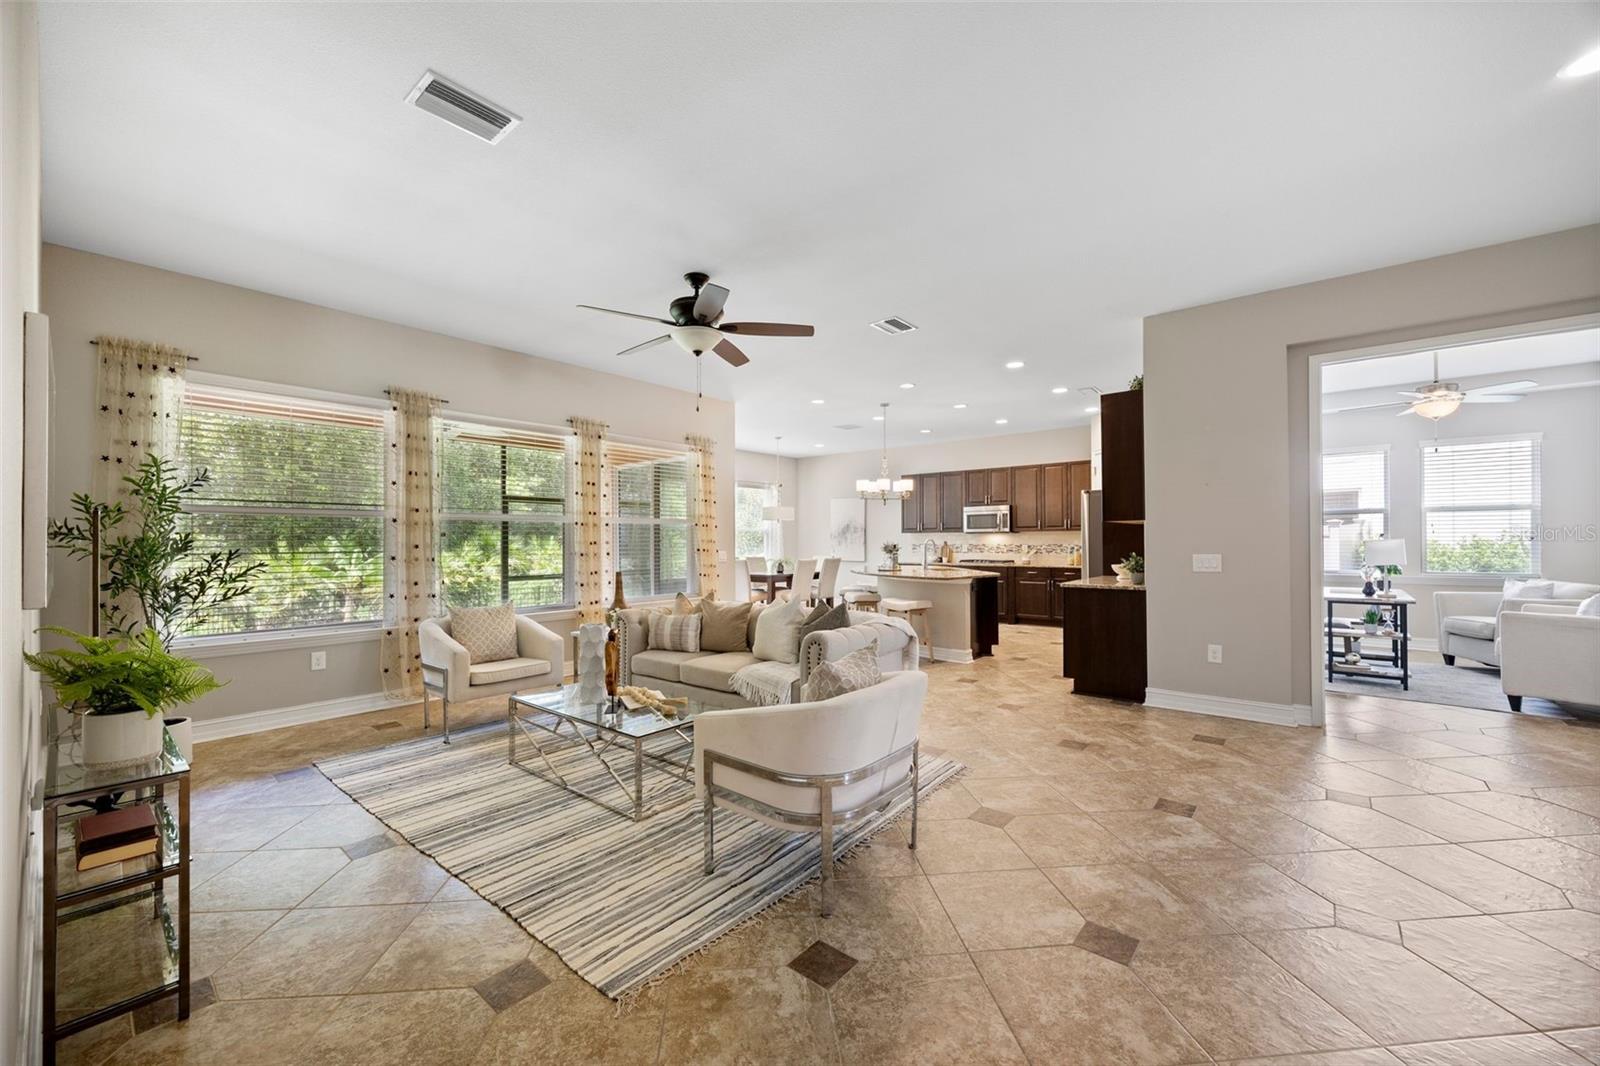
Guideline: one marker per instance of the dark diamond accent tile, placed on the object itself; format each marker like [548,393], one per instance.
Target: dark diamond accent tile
[1203,739]
[1350,798]
[1107,943]
[162,1011]
[990,816]
[511,985]
[370,846]
[822,963]
[1174,807]
[386,725]
[1074,745]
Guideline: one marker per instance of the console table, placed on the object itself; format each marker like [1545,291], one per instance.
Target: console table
[1397,662]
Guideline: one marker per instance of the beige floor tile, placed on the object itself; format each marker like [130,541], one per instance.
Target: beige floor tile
[315,952]
[1161,837]
[1591,842]
[945,847]
[333,828]
[1357,827]
[1133,899]
[1270,784]
[1585,1042]
[1541,985]
[1249,895]
[1568,868]
[951,801]
[885,855]
[1575,932]
[1372,1056]
[443,1027]
[395,875]
[1540,815]
[920,1011]
[1034,913]
[449,945]
[454,891]
[569,1022]
[1068,1006]
[1391,993]
[1372,925]
[1064,840]
[1447,819]
[1423,776]
[269,880]
[1585,798]
[1236,1002]
[1345,777]
[95,1044]
[271,1032]
[774,941]
[1499,771]
[1472,878]
[218,936]
[243,828]
[1028,795]
[747,1016]
[204,865]
[1352,879]
[1524,1049]
[1264,831]
[895,917]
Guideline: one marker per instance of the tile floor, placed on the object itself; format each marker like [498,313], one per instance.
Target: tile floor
[1414,884]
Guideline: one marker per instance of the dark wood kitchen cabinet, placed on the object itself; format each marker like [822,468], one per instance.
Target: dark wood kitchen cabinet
[1053,513]
[1042,497]
[928,492]
[1025,486]
[1035,588]
[988,488]
[950,495]
[1077,484]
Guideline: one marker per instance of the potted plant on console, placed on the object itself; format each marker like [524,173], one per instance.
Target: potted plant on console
[1134,565]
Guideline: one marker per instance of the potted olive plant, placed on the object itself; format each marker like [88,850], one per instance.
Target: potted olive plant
[121,686]
[1133,565]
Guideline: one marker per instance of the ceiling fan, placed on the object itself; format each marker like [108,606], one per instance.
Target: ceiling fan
[1438,399]
[696,323]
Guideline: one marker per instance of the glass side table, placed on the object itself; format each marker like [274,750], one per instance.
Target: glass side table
[103,903]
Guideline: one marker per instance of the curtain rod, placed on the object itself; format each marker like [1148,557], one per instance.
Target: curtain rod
[386,392]
[191,358]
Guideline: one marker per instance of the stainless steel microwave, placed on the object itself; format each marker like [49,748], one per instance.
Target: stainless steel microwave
[986,519]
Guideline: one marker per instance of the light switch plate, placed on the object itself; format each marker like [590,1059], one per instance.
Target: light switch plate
[1213,653]
[319,660]
[1208,564]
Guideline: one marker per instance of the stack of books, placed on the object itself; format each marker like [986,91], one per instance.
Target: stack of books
[116,836]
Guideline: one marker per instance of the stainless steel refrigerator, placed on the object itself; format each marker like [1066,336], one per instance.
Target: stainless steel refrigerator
[1095,563]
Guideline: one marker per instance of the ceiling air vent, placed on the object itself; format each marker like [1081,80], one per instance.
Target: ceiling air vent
[848,426]
[462,108]
[893,325]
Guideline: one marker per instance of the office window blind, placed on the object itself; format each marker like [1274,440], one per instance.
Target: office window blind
[506,525]
[1355,506]
[652,520]
[298,485]
[1480,504]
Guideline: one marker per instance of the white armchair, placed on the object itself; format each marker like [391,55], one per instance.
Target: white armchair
[1550,651]
[449,673]
[812,766]
[1469,622]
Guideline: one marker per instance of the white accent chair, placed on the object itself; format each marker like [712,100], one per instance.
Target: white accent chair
[1550,651]
[811,767]
[754,564]
[1469,622]
[804,586]
[449,672]
[828,579]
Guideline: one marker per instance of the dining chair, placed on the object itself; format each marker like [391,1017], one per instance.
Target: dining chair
[828,580]
[805,573]
[753,565]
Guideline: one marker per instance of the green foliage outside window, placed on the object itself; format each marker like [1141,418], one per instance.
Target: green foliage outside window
[1480,555]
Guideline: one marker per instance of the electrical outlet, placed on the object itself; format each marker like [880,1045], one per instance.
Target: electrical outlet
[1213,653]
[319,660]
[1208,564]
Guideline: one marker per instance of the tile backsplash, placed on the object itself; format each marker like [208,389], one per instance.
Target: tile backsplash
[996,544]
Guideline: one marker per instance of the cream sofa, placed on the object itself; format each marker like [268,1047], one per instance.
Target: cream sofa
[707,676]
[1550,651]
[1469,622]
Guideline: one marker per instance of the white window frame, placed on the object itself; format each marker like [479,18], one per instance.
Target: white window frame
[1388,495]
[771,528]
[1535,510]
[670,453]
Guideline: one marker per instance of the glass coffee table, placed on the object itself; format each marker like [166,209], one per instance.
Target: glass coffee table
[556,722]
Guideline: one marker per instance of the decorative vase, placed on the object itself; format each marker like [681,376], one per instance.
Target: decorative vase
[592,637]
[1371,628]
[182,730]
[116,740]
[891,561]
[618,601]
[1137,577]
[613,661]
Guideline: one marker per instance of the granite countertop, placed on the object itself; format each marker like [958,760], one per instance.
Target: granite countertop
[1107,582]
[1013,565]
[914,572]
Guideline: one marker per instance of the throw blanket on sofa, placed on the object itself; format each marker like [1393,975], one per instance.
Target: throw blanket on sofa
[767,683]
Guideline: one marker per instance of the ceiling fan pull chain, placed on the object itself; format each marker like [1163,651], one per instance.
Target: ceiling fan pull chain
[699,387]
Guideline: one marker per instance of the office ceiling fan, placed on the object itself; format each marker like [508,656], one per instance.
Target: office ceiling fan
[695,323]
[1439,399]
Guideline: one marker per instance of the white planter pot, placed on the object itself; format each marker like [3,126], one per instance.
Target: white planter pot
[182,730]
[1137,577]
[113,740]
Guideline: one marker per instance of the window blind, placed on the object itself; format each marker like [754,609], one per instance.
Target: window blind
[506,527]
[1480,501]
[1355,506]
[296,484]
[652,519]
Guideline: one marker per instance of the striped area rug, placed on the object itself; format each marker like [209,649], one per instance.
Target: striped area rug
[619,901]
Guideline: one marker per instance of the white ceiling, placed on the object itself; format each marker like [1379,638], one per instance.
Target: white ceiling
[1510,359]
[1021,181]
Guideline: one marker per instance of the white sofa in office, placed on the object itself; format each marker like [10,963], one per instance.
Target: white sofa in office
[1550,651]
[1469,622]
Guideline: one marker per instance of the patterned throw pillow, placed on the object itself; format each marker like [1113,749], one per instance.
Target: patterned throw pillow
[488,633]
[675,632]
[855,671]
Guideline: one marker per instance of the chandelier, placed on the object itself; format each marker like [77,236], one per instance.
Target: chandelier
[881,487]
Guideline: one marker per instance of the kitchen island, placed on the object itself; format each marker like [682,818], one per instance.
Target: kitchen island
[964,621]
[1102,637]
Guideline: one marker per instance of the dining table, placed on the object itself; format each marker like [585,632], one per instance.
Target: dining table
[772,583]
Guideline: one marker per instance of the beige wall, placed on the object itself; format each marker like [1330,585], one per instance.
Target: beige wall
[19,691]
[247,334]
[829,476]
[1226,431]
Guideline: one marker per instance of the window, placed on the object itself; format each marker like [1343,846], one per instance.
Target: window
[1480,506]
[1355,506]
[754,533]
[298,485]
[650,496]
[505,527]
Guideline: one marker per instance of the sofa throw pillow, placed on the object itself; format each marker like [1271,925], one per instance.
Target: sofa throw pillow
[488,633]
[824,617]
[778,632]
[857,670]
[1517,589]
[675,632]
[724,626]
[682,604]
[1590,608]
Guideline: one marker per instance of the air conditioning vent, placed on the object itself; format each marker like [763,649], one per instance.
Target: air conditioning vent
[462,108]
[893,325]
[848,426]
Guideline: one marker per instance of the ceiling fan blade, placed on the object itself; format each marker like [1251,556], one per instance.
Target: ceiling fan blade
[1408,411]
[768,329]
[1410,395]
[1493,397]
[1365,407]
[1504,386]
[626,314]
[1564,386]
[651,343]
[708,305]
[730,352]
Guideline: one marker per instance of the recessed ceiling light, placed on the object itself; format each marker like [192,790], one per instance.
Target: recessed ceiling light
[877,418]
[1001,421]
[908,384]
[959,406]
[1059,389]
[1015,364]
[924,431]
[1584,65]
[1091,410]
[816,445]
[819,401]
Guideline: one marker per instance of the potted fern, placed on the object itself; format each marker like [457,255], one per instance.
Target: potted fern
[120,686]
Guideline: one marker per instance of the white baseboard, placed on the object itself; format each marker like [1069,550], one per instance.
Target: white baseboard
[1228,707]
[1425,644]
[951,655]
[237,725]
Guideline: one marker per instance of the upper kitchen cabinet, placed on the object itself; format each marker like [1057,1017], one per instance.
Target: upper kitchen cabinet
[1053,513]
[928,491]
[988,488]
[1078,482]
[950,498]
[1122,456]
[1025,499]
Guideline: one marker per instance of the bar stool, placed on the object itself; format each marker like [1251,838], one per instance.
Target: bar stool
[860,598]
[913,611]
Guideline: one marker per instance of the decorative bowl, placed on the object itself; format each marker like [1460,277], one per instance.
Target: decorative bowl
[1122,573]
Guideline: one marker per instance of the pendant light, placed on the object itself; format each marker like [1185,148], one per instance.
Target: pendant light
[881,487]
[777,512]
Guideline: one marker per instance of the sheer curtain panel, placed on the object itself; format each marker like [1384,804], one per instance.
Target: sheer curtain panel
[705,511]
[412,538]
[594,518]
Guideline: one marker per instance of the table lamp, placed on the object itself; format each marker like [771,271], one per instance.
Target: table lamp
[1384,553]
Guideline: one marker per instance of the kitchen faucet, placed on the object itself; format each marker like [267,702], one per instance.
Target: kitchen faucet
[929,543]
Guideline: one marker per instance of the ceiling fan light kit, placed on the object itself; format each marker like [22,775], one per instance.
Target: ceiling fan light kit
[1441,399]
[882,487]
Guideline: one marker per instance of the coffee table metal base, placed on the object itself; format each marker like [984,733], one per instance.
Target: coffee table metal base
[560,738]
